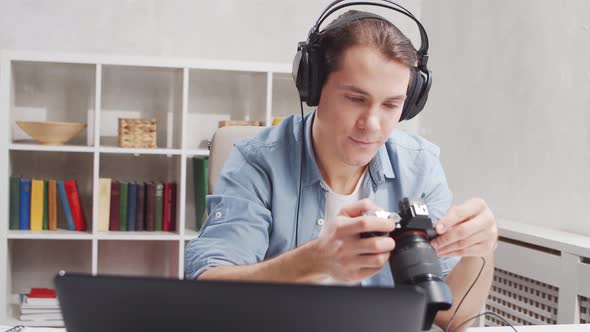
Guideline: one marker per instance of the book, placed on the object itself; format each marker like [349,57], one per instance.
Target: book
[45,205]
[52,204]
[41,316]
[150,205]
[123,206]
[37,191]
[74,200]
[65,204]
[159,206]
[104,204]
[24,222]
[14,202]
[140,208]
[131,204]
[169,213]
[115,205]
[44,296]
[27,310]
[200,185]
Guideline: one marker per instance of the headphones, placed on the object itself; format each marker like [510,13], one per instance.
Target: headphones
[308,65]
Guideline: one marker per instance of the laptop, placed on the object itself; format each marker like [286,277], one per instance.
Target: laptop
[128,304]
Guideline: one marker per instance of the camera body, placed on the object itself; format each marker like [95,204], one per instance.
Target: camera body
[414,260]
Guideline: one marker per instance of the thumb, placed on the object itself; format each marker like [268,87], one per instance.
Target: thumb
[357,208]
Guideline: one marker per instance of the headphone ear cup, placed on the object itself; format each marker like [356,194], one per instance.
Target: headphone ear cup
[308,72]
[300,70]
[315,74]
[417,93]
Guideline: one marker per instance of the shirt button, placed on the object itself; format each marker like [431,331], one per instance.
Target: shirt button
[218,214]
[320,222]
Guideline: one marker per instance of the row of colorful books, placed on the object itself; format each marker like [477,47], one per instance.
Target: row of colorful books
[34,204]
[136,206]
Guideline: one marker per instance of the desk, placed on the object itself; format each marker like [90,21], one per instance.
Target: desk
[535,328]
[532,328]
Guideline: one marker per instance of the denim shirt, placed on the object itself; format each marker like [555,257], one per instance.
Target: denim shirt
[253,208]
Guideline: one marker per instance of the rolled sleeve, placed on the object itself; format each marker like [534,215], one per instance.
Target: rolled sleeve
[438,198]
[238,225]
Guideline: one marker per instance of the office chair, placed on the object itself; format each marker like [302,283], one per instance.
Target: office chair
[221,145]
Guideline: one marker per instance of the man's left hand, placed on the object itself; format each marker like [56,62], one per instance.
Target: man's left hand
[468,229]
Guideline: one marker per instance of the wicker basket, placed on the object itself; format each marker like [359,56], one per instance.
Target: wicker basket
[137,133]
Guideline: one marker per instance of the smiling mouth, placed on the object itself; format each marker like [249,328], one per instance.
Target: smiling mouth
[366,143]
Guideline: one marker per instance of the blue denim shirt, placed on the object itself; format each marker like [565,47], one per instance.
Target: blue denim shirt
[252,211]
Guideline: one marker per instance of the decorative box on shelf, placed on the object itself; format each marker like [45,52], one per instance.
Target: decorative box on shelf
[137,133]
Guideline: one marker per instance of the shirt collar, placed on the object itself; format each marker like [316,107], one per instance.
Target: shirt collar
[379,167]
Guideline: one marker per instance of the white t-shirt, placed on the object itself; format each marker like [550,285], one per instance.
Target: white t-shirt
[334,203]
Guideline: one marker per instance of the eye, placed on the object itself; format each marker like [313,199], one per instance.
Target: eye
[390,106]
[356,99]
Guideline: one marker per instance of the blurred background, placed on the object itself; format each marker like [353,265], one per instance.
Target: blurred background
[510,104]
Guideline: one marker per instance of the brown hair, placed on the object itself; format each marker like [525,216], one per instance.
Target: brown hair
[380,34]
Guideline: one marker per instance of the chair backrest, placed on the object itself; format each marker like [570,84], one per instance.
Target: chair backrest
[221,145]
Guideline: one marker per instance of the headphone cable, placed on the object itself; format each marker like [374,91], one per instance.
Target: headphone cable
[483,264]
[300,175]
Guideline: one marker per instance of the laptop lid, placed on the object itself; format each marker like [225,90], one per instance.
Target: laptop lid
[128,304]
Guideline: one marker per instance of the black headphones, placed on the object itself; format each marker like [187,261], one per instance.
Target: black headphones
[308,65]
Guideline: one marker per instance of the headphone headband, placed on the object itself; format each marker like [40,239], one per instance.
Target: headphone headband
[422,52]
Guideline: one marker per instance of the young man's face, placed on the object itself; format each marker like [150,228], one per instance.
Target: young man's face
[360,105]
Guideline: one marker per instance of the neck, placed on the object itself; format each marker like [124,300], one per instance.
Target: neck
[340,177]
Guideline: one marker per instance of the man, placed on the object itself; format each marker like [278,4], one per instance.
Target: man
[353,161]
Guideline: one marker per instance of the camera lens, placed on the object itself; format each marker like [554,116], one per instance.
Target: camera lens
[414,260]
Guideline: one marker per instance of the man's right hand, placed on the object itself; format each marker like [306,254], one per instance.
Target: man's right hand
[342,254]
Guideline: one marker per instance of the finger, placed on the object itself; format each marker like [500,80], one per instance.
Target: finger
[480,249]
[357,208]
[374,245]
[365,224]
[462,231]
[459,213]
[463,244]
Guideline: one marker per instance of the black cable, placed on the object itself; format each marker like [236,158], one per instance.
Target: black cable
[300,175]
[483,314]
[483,264]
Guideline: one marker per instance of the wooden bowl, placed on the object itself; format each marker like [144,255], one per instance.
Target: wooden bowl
[51,133]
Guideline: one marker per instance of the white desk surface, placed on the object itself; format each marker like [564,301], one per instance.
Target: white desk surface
[532,328]
[535,328]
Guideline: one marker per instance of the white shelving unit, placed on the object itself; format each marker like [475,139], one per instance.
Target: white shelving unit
[187,97]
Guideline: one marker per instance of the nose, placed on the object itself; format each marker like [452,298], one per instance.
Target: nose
[369,120]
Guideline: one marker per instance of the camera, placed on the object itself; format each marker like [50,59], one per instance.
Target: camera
[414,260]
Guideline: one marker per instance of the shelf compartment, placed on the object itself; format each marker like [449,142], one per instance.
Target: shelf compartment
[143,169]
[44,91]
[63,166]
[216,95]
[34,263]
[145,258]
[142,92]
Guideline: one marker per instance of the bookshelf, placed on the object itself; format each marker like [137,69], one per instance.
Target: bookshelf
[187,97]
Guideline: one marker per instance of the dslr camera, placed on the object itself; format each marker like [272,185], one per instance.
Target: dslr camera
[414,260]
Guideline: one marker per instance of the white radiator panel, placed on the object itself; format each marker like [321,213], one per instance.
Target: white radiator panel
[521,300]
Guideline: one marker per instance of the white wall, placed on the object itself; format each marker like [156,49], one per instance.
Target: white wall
[510,105]
[254,30]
